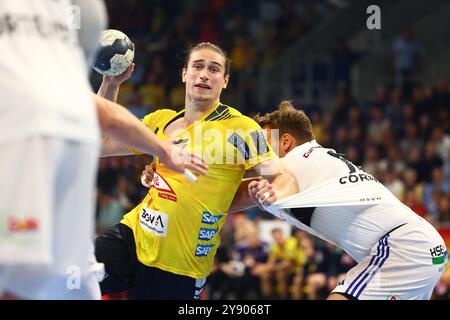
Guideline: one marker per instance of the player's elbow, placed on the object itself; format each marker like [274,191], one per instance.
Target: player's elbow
[293,186]
[110,125]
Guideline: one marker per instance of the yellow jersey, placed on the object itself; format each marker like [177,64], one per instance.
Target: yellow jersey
[285,252]
[289,251]
[176,227]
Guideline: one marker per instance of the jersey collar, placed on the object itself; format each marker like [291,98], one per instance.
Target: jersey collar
[305,146]
[210,114]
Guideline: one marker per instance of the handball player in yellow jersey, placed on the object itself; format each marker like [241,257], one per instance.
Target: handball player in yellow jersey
[164,248]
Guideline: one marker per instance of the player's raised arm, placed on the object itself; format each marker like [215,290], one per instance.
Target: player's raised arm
[122,126]
[109,89]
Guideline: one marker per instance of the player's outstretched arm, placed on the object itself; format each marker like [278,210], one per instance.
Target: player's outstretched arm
[122,126]
[263,193]
[241,200]
[268,169]
[275,174]
[109,89]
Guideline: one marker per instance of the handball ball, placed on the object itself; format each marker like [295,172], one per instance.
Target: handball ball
[116,53]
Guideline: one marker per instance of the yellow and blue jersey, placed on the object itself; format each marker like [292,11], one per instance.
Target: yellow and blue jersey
[176,227]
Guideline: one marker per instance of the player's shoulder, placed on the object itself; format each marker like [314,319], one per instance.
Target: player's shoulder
[223,112]
[163,113]
[231,118]
[234,111]
[158,116]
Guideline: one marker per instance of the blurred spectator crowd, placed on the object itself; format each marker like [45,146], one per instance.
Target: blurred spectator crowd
[252,32]
[402,137]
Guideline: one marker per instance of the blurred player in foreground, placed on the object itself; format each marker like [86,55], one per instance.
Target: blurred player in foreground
[50,146]
[399,254]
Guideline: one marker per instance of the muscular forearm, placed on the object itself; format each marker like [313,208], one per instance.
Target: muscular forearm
[242,199]
[122,126]
[284,184]
[109,90]
[270,171]
[111,147]
[267,191]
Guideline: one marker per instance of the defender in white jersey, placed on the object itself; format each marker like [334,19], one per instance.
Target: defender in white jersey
[49,144]
[399,254]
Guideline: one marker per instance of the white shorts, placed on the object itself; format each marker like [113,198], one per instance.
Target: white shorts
[404,265]
[47,201]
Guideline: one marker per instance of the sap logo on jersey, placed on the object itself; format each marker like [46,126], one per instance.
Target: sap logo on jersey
[202,250]
[206,234]
[208,218]
[154,221]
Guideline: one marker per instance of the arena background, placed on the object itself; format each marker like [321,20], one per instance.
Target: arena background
[380,96]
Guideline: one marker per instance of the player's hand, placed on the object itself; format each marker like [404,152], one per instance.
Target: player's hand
[262,193]
[121,78]
[147,175]
[179,160]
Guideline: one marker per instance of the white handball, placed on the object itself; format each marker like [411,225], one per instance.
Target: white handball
[116,53]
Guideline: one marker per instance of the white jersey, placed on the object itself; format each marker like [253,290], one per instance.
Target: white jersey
[47,219]
[43,31]
[49,146]
[338,201]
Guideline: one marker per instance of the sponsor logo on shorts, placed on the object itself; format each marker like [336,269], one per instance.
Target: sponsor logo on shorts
[209,218]
[206,234]
[438,254]
[203,250]
[392,297]
[154,221]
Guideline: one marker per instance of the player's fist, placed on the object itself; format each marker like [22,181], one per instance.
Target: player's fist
[262,193]
[147,176]
[121,78]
